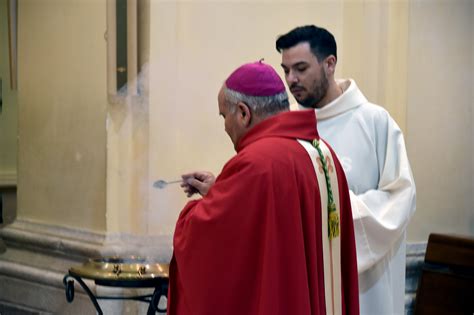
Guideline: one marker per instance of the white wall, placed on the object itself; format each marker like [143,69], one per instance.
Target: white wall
[440,116]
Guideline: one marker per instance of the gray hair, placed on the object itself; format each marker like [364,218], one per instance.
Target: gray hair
[261,106]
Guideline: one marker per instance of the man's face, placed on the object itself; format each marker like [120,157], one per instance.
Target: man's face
[305,76]
[233,125]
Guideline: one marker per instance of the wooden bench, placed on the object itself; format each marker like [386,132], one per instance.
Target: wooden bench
[446,285]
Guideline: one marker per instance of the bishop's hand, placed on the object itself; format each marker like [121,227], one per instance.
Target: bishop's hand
[197,182]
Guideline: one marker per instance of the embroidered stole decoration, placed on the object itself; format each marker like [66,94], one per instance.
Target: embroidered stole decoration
[329,190]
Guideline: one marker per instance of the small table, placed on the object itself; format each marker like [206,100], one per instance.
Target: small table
[131,272]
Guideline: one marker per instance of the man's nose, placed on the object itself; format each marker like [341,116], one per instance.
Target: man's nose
[291,77]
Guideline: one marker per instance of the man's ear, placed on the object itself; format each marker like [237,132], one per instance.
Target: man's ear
[245,115]
[330,64]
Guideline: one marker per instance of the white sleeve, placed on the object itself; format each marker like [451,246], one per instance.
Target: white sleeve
[381,215]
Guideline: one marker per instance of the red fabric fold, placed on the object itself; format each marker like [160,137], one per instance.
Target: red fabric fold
[253,244]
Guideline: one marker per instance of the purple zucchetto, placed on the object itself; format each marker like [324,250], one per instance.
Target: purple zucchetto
[255,79]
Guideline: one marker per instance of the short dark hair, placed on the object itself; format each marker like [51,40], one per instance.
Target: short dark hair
[320,40]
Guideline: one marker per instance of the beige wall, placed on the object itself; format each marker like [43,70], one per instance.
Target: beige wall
[62,103]
[194,46]
[415,58]
[391,48]
[373,50]
[440,116]
[9,111]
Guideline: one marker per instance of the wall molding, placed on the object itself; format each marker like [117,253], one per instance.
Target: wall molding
[82,244]
[39,255]
[52,240]
[8,179]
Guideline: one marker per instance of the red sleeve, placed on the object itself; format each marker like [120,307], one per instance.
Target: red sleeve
[212,255]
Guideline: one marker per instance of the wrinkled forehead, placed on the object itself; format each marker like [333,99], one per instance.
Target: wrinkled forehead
[221,94]
[221,99]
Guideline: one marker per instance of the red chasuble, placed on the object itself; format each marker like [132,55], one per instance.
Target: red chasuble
[253,244]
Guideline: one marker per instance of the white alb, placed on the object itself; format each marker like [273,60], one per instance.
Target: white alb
[371,148]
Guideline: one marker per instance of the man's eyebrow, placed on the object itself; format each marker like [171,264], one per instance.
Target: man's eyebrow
[299,63]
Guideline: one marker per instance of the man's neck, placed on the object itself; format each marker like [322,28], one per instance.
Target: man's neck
[333,92]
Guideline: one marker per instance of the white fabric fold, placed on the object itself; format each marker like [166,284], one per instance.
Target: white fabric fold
[331,248]
[371,148]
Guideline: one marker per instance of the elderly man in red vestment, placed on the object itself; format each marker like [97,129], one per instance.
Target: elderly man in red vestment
[273,232]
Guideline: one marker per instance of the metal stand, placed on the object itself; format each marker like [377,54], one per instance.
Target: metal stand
[160,285]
